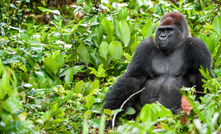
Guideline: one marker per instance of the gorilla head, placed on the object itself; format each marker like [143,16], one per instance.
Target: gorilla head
[172,32]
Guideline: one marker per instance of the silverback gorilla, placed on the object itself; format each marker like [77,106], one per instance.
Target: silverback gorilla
[163,65]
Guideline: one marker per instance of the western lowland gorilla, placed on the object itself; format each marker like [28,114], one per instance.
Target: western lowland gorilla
[163,65]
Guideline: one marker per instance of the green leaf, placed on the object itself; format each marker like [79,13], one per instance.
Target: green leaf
[115,49]
[44,9]
[122,15]
[95,85]
[102,124]
[51,66]
[4,84]
[1,66]
[25,37]
[107,26]
[85,126]
[68,96]
[103,49]
[79,2]
[130,111]
[79,87]
[98,35]
[48,10]
[147,29]
[83,54]
[90,101]
[74,29]
[124,32]
[2,42]
[11,105]
[69,76]
[60,59]
[217,24]
[101,71]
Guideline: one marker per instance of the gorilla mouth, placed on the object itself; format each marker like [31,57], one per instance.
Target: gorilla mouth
[163,45]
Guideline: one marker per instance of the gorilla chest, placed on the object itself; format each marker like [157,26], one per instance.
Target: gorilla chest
[168,65]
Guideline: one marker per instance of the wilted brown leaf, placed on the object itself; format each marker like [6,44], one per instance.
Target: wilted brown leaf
[183,120]
[185,105]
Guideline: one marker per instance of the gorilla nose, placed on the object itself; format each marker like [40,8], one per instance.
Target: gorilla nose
[162,37]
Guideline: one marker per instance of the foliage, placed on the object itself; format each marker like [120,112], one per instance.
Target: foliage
[54,74]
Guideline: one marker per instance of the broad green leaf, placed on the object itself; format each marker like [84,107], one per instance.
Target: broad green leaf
[147,29]
[130,111]
[60,60]
[69,76]
[115,25]
[115,49]
[85,126]
[108,111]
[79,2]
[124,32]
[83,54]
[77,69]
[102,124]
[90,101]
[51,66]
[88,7]
[98,35]
[4,84]
[107,26]
[122,15]
[11,105]
[103,49]
[1,66]
[79,87]
[95,85]
[217,24]
[68,96]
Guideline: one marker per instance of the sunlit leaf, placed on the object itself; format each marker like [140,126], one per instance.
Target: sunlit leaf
[107,26]
[79,87]
[124,32]
[147,29]
[103,49]
[115,49]
[90,101]
[217,24]
[51,66]
[83,54]
[122,15]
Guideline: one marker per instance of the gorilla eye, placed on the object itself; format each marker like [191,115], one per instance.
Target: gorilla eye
[169,30]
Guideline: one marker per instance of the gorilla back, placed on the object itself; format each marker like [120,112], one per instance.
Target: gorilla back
[163,65]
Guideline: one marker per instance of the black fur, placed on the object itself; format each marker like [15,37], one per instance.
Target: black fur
[163,70]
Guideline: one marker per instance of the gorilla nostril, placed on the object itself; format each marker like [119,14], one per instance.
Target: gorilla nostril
[162,38]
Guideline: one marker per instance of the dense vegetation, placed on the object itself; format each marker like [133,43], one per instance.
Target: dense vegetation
[58,62]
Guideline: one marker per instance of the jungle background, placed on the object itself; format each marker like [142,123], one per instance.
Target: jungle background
[59,58]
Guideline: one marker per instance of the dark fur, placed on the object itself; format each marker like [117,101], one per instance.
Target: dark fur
[163,73]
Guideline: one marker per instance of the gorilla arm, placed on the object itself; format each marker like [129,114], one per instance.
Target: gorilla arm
[197,54]
[132,80]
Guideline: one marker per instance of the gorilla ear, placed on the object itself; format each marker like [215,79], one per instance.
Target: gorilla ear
[181,29]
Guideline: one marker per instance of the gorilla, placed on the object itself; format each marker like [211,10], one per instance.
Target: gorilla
[163,65]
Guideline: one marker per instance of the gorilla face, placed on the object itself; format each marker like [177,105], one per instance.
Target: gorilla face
[168,38]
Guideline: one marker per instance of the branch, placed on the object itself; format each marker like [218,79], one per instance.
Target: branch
[121,107]
[42,102]
[215,14]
